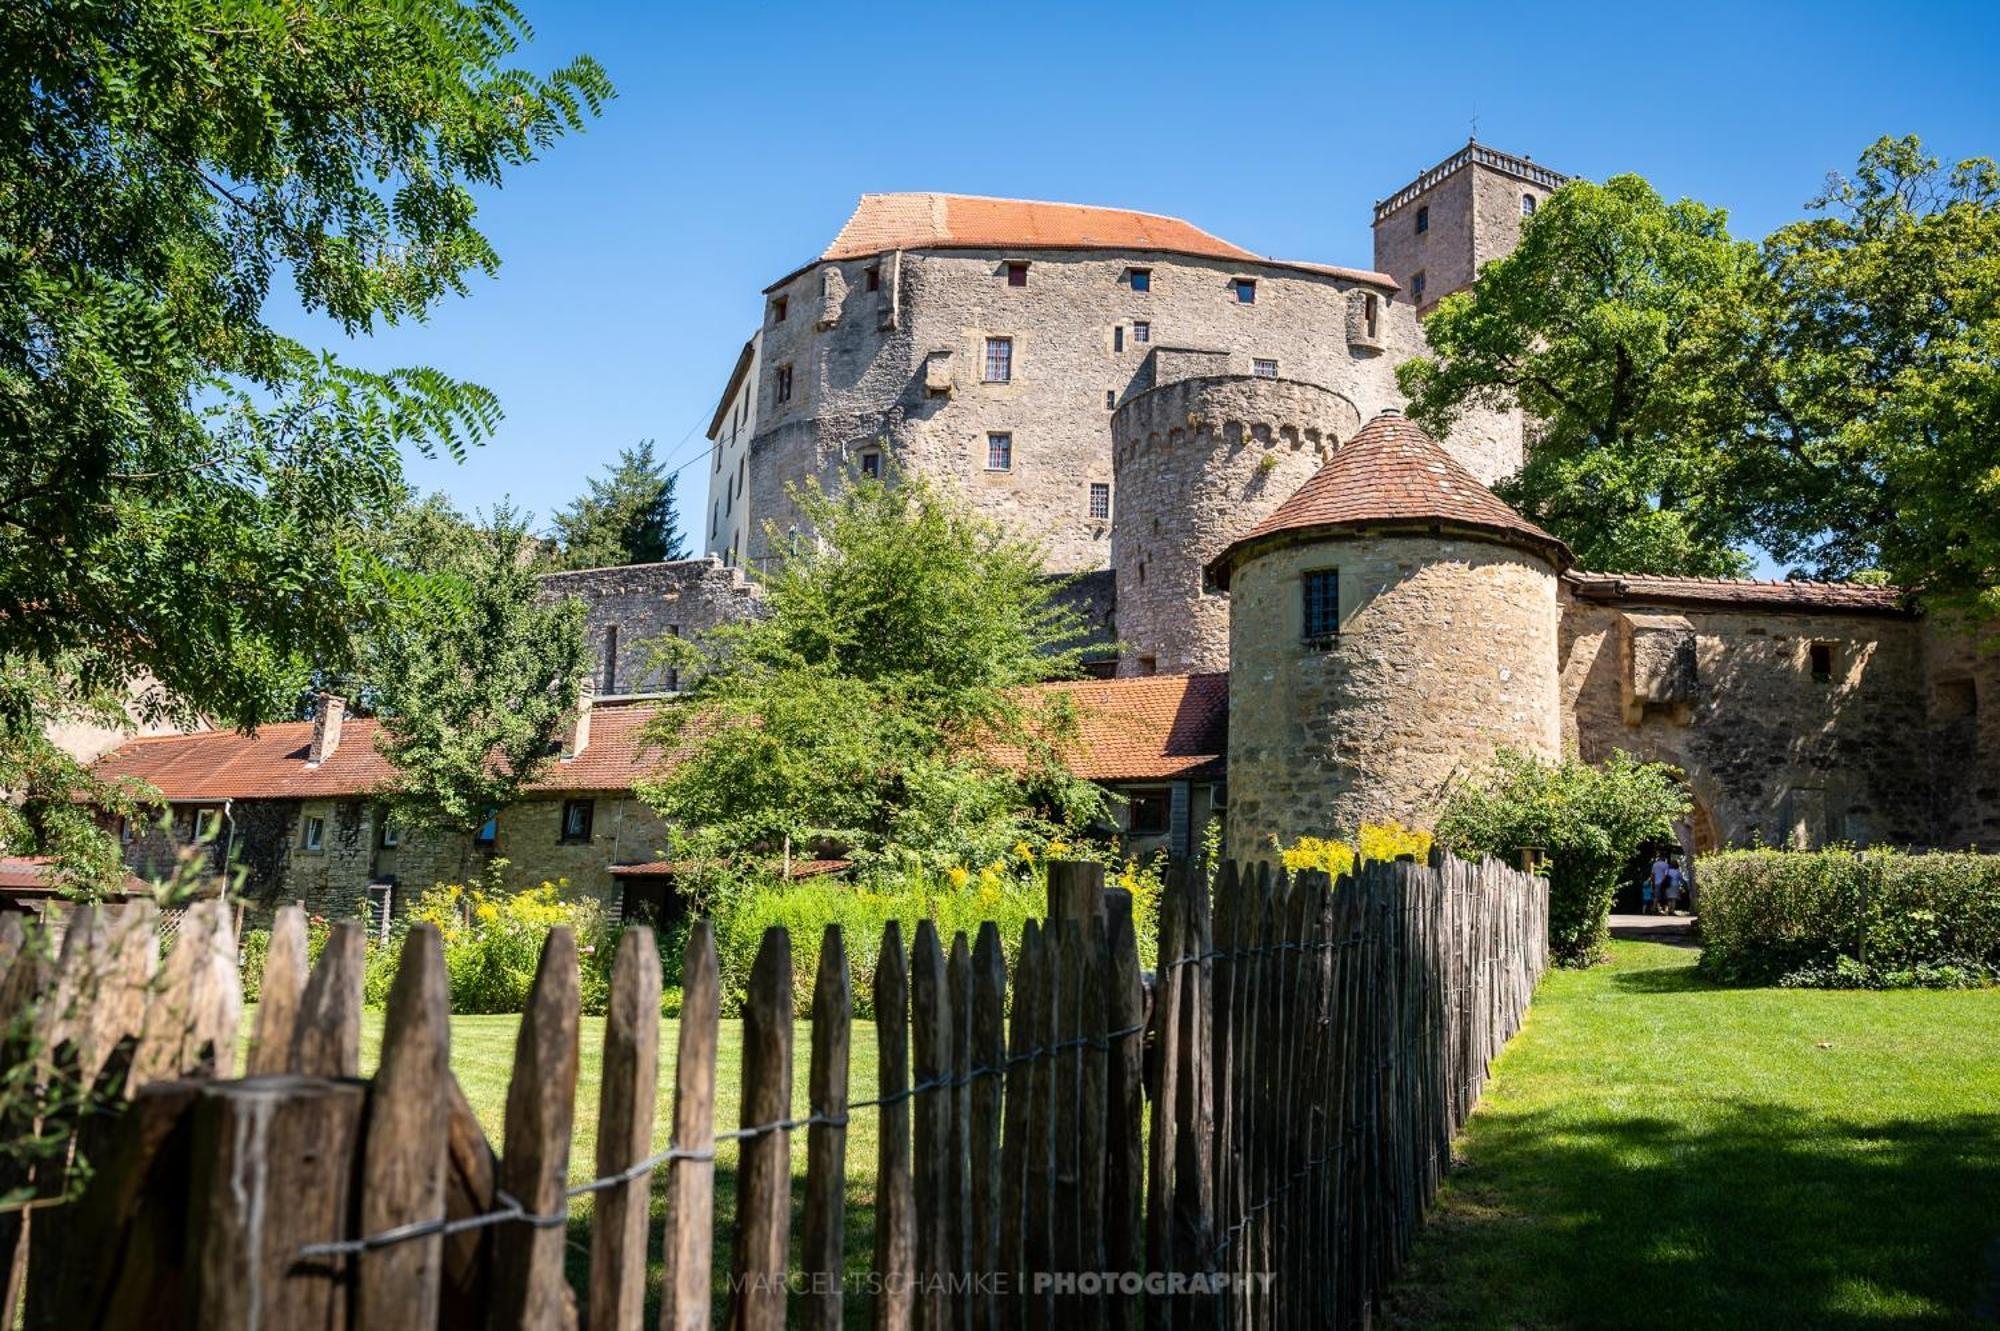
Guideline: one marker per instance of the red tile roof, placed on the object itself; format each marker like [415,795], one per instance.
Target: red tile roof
[929,221]
[1392,472]
[29,875]
[1797,595]
[1148,728]
[271,764]
[1140,729]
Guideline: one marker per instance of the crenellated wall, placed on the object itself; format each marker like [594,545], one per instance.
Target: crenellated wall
[1198,462]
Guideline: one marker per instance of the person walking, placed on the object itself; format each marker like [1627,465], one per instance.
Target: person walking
[1654,891]
[1676,880]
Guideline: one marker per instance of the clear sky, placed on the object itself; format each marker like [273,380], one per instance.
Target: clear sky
[633,255]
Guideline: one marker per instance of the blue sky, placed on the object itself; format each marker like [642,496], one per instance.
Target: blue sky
[633,254]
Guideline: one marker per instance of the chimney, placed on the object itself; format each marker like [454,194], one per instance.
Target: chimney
[578,738]
[326,728]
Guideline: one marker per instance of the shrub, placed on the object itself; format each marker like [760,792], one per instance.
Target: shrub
[493,941]
[1375,841]
[1850,919]
[1591,821]
[960,899]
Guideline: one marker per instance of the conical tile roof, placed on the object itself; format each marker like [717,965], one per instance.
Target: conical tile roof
[1392,473]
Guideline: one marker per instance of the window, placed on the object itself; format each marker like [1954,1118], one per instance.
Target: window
[714,519]
[999,360]
[1246,291]
[1820,657]
[312,836]
[784,383]
[999,452]
[1527,205]
[1423,220]
[871,465]
[126,831]
[1141,278]
[1417,288]
[611,658]
[489,831]
[392,835]
[1111,399]
[1149,812]
[576,820]
[1370,307]
[1957,699]
[1149,665]
[673,672]
[780,306]
[1264,369]
[1017,274]
[1142,332]
[1118,337]
[872,274]
[1100,499]
[207,824]
[1320,590]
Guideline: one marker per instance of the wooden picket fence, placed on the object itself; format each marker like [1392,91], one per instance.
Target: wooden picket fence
[1249,1140]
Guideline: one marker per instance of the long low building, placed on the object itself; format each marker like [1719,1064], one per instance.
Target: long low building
[299,805]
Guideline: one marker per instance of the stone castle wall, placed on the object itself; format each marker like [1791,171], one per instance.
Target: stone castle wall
[1447,651]
[901,370]
[1199,462]
[1962,696]
[629,607]
[1774,755]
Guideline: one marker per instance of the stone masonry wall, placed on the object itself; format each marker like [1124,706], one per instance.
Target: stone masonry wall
[1199,462]
[1447,651]
[644,602]
[622,831]
[1771,753]
[901,369]
[1962,689]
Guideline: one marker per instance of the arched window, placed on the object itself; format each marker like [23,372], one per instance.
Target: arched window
[1527,205]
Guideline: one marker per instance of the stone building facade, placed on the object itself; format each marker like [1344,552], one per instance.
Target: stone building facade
[1392,625]
[629,608]
[987,344]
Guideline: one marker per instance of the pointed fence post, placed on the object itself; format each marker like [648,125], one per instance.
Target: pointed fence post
[326,1038]
[280,995]
[409,1114]
[529,1291]
[764,1165]
[895,1234]
[689,1243]
[629,1089]
[826,1140]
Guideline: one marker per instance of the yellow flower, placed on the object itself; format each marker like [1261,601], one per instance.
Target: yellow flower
[1024,852]
[958,875]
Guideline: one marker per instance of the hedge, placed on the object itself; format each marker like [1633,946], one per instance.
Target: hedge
[1850,919]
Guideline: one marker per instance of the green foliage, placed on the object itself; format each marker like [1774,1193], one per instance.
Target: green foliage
[1590,821]
[872,708]
[1832,395]
[627,518]
[180,483]
[1603,325]
[474,677]
[1849,919]
[493,940]
[1871,437]
[956,901]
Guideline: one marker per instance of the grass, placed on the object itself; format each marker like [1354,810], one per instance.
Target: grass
[482,1056]
[1653,1150]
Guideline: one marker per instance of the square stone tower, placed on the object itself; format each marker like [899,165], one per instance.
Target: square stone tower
[1434,233]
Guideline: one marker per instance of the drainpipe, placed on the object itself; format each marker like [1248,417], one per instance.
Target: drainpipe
[228,839]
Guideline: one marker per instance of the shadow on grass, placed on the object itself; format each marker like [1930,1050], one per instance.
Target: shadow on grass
[1663,980]
[1762,1216]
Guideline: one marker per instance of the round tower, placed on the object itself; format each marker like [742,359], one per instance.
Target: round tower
[1197,462]
[1392,624]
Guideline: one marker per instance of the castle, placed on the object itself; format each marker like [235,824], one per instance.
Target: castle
[1323,615]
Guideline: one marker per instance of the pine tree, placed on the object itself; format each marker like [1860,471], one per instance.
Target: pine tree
[627,518]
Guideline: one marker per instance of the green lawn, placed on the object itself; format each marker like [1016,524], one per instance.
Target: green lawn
[1653,1150]
[482,1055]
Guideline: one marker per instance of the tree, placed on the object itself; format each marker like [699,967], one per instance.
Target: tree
[1871,369]
[473,675]
[627,518]
[180,484]
[874,704]
[1604,327]
[1591,821]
